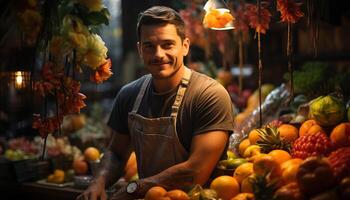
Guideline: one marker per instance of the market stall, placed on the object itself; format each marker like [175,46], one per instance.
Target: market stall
[284,63]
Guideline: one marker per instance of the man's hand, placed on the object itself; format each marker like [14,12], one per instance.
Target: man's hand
[96,191]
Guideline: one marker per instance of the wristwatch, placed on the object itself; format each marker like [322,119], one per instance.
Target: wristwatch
[132,188]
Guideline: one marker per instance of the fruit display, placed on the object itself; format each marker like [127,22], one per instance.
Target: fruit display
[284,161]
[21,149]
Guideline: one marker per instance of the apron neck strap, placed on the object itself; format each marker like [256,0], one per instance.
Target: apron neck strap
[181,92]
[141,93]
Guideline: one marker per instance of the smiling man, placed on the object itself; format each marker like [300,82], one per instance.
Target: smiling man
[177,121]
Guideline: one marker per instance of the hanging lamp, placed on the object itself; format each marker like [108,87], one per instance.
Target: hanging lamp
[217,15]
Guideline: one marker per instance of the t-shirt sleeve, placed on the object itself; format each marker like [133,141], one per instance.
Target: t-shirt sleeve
[214,110]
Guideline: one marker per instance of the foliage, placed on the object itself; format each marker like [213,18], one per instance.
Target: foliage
[313,79]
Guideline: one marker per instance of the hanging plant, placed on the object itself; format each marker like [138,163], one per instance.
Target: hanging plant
[64,33]
[290,14]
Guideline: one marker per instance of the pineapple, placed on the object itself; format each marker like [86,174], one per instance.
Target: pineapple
[262,188]
[311,145]
[270,139]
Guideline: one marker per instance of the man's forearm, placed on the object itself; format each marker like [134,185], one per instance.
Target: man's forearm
[111,168]
[177,176]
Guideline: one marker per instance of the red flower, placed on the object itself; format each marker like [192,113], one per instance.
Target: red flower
[259,23]
[102,73]
[290,11]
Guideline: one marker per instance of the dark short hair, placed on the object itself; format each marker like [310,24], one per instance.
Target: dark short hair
[158,15]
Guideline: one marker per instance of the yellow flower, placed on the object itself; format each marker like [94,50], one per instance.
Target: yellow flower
[95,53]
[92,5]
[77,40]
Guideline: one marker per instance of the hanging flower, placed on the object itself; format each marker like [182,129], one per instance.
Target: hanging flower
[103,73]
[92,5]
[67,44]
[259,23]
[290,10]
[95,53]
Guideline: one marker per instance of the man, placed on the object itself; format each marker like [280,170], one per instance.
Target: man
[176,120]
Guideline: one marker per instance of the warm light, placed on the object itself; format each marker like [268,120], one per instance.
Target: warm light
[217,16]
[18,79]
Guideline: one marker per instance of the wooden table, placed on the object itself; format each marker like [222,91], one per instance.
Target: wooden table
[35,191]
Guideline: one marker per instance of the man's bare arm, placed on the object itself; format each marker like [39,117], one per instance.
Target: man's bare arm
[206,150]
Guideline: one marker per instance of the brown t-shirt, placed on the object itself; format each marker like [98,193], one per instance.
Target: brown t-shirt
[206,106]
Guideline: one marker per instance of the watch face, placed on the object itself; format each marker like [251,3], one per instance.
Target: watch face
[131,188]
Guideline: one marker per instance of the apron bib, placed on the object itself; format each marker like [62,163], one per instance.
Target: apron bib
[155,140]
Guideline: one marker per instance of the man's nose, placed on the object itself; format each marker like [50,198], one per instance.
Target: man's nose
[159,52]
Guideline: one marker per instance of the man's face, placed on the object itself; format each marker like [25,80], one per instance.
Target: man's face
[162,50]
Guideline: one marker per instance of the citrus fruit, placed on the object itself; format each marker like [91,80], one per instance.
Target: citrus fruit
[225,186]
[280,155]
[130,167]
[289,170]
[309,127]
[177,195]
[243,146]
[155,193]
[247,184]
[267,164]
[80,166]
[340,135]
[92,154]
[253,136]
[288,132]
[243,171]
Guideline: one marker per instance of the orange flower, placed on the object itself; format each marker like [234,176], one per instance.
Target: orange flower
[102,73]
[290,10]
[259,23]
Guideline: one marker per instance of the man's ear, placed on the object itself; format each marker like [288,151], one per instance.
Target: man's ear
[139,48]
[186,46]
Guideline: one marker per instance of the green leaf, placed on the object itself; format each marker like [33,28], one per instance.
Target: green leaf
[97,18]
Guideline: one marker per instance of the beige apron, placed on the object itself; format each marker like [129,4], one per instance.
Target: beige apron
[155,140]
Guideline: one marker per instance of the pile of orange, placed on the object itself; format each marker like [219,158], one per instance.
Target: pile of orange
[159,193]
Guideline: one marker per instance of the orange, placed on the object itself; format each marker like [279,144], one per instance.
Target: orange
[254,136]
[309,127]
[280,156]
[243,146]
[130,167]
[340,135]
[247,185]
[288,132]
[225,186]
[177,195]
[243,196]
[289,170]
[155,193]
[243,171]
[92,154]
[267,164]
[80,166]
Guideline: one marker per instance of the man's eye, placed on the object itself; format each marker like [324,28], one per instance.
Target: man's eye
[167,45]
